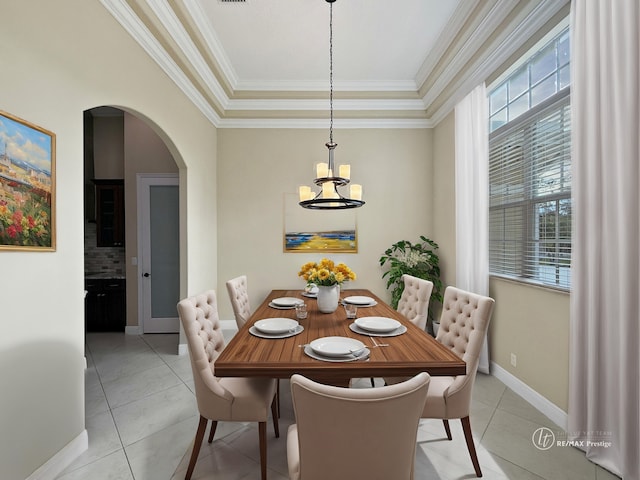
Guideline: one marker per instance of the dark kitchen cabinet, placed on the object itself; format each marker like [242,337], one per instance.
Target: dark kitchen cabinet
[110,213]
[105,305]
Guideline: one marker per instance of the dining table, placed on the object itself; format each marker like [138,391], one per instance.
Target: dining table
[387,355]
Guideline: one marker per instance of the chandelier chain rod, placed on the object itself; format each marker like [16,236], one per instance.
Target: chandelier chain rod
[331,70]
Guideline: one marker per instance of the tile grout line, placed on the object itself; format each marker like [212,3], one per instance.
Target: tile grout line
[124,451]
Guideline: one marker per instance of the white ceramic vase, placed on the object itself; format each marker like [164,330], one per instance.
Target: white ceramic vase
[328,298]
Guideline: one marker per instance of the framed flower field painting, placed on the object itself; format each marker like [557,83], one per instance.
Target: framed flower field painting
[27,185]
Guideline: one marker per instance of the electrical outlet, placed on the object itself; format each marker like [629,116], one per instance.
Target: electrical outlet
[514,360]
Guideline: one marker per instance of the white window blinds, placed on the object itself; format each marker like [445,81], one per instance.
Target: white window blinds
[530,195]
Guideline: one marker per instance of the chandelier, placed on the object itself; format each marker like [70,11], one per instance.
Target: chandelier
[328,179]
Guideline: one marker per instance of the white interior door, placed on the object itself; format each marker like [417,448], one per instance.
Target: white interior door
[159,252]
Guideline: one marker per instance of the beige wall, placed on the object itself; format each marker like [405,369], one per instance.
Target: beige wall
[529,321]
[54,68]
[533,323]
[144,152]
[108,147]
[257,167]
[444,191]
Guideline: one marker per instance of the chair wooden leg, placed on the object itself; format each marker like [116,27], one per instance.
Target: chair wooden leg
[274,414]
[446,428]
[466,426]
[202,426]
[212,430]
[262,432]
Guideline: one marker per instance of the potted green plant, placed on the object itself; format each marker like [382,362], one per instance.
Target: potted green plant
[417,259]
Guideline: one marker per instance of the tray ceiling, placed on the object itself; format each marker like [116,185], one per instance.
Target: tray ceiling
[265,63]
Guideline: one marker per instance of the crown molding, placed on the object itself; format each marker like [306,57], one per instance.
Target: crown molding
[445,39]
[323,105]
[123,13]
[485,28]
[310,123]
[507,46]
[212,41]
[315,86]
[170,22]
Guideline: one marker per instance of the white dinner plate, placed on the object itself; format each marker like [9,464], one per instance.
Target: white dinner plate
[337,346]
[372,304]
[361,355]
[286,301]
[377,324]
[393,333]
[278,307]
[276,325]
[257,333]
[358,300]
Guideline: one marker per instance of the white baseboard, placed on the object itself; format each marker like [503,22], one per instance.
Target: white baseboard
[61,460]
[183,349]
[545,406]
[133,330]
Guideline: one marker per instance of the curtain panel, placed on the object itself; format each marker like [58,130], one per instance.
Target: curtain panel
[472,198]
[604,379]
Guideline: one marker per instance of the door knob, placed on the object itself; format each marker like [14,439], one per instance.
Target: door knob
[146,274]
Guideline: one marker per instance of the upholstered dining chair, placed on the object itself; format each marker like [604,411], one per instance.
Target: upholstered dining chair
[414,305]
[239,296]
[414,302]
[463,324]
[222,399]
[348,433]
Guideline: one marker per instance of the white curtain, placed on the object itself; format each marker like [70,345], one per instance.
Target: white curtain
[604,385]
[472,198]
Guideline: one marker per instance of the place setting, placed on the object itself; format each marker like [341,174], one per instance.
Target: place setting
[377,327]
[336,349]
[285,303]
[276,328]
[359,301]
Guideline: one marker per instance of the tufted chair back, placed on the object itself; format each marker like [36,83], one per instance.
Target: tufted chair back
[199,317]
[414,302]
[351,433]
[463,326]
[239,296]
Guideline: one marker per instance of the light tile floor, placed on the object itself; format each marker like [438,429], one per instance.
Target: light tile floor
[141,417]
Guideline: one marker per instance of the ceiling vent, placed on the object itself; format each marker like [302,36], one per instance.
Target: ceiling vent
[232,1]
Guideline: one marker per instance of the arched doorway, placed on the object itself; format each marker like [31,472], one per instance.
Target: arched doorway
[119,146]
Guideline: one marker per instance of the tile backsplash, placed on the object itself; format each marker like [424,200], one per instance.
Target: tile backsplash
[101,261]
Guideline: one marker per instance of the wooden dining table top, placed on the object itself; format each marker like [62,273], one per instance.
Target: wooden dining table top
[407,354]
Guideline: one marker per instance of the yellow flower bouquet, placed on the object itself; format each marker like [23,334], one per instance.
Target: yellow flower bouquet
[326,273]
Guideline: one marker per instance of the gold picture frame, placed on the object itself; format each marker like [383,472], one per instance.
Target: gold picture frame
[27,185]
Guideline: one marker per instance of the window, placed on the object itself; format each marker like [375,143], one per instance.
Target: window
[542,75]
[530,170]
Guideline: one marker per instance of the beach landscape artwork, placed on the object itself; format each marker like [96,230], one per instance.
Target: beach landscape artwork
[27,185]
[315,231]
[336,241]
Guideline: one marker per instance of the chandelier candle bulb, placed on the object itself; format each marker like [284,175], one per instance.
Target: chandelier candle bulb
[322,170]
[327,190]
[304,192]
[355,191]
[345,171]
